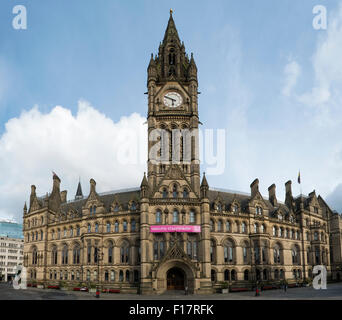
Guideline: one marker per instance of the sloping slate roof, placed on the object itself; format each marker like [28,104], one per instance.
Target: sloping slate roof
[242,199]
[107,199]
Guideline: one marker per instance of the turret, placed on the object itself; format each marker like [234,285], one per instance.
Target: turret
[204,187]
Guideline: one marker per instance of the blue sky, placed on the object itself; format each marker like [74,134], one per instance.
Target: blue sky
[263,73]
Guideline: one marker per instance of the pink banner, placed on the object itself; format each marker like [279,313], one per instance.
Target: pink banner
[175,228]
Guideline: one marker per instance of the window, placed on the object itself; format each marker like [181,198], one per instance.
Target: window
[116,208]
[158,248]
[276,254]
[89,228]
[233,275]
[185,193]
[295,257]
[244,227]
[228,252]
[108,227]
[246,275]
[71,232]
[175,218]
[116,226]
[65,232]
[110,253]
[95,274]
[112,275]
[89,253]
[263,228]
[219,207]
[258,211]
[41,235]
[34,256]
[65,255]
[192,248]
[125,226]
[133,225]
[88,275]
[76,254]
[133,206]
[124,253]
[281,232]
[158,216]
[227,226]
[121,276]
[211,225]
[164,193]
[54,255]
[256,253]
[77,230]
[174,191]
[192,216]
[96,227]
[226,275]
[256,227]
[235,208]
[127,275]
[52,235]
[212,251]
[244,254]
[316,236]
[219,226]
[106,276]
[274,231]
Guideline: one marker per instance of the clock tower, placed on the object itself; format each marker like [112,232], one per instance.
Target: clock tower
[173,112]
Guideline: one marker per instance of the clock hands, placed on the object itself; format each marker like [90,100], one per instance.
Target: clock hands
[173,100]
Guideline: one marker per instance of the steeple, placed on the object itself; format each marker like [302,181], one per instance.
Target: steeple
[171,33]
[79,194]
[172,62]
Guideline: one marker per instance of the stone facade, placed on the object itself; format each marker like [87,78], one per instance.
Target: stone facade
[105,238]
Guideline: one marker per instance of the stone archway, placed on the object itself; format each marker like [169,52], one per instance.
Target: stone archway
[175,279]
[182,273]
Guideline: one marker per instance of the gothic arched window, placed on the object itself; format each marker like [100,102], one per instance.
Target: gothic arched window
[76,254]
[175,217]
[158,216]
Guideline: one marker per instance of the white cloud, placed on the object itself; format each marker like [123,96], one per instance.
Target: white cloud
[334,199]
[325,94]
[89,145]
[291,71]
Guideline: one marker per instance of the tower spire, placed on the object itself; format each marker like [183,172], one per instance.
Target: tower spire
[79,194]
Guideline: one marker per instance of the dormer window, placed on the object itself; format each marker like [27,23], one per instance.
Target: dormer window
[133,206]
[235,208]
[164,193]
[185,193]
[315,210]
[280,217]
[258,211]
[219,207]
[291,219]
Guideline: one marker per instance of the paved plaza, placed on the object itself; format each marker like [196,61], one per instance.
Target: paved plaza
[333,292]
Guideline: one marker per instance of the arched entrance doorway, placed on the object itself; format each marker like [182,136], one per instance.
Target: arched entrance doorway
[175,279]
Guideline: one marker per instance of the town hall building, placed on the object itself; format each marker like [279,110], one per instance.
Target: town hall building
[175,232]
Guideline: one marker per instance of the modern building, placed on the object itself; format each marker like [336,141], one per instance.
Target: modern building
[11,255]
[175,231]
[11,229]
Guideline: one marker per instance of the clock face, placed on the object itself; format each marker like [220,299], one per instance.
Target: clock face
[173,99]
